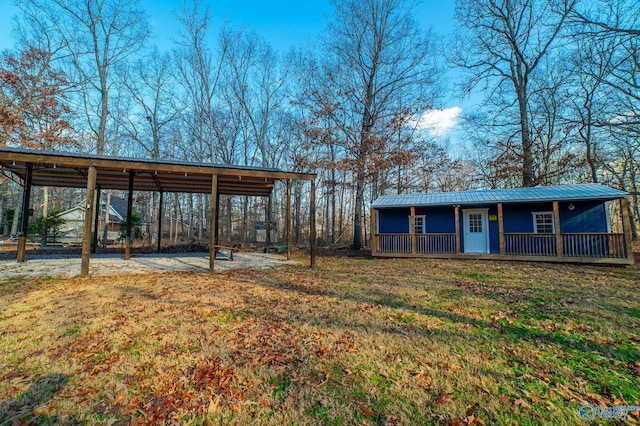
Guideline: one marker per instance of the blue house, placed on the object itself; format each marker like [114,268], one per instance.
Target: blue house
[568,223]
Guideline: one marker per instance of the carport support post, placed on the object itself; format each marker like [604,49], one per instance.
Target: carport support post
[626,227]
[267,240]
[88,216]
[312,224]
[24,228]
[160,221]
[288,219]
[127,240]
[94,241]
[556,223]
[214,222]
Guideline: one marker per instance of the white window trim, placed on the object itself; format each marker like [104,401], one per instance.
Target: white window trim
[535,223]
[424,223]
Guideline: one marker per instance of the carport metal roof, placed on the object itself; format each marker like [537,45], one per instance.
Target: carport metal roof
[60,169]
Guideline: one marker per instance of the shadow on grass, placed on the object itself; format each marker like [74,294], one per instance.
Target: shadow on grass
[22,408]
[511,332]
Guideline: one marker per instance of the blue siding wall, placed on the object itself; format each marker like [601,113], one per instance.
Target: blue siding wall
[396,221]
[587,216]
[393,221]
[440,220]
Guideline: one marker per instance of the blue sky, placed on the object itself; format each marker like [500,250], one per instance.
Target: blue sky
[284,23]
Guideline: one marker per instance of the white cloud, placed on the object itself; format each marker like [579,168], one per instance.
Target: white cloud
[439,121]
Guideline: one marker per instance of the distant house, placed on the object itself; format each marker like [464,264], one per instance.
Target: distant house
[70,232]
[567,223]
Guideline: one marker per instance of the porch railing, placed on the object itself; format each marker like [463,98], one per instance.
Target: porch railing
[589,245]
[394,243]
[584,245]
[425,243]
[594,245]
[436,243]
[529,244]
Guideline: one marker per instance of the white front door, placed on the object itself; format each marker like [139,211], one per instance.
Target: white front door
[476,231]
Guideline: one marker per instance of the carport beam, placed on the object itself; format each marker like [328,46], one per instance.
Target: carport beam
[88,216]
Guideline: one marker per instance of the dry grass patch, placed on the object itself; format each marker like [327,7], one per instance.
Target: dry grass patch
[356,341]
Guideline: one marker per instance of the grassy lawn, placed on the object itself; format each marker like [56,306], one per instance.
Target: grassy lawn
[356,341]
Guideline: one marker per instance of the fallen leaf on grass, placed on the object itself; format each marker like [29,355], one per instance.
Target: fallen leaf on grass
[472,409]
[522,403]
[444,398]
[366,411]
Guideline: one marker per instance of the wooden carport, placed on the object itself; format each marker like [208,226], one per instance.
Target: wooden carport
[60,169]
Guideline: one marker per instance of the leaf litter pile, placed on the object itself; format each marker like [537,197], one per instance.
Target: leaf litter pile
[356,341]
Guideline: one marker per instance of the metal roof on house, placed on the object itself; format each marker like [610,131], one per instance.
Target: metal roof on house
[591,191]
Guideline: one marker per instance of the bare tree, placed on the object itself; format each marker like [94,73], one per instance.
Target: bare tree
[96,35]
[502,44]
[150,84]
[381,59]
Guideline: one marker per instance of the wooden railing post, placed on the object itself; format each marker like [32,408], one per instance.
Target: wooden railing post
[556,223]
[501,228]
[413,231]
[626,228]
[456,210]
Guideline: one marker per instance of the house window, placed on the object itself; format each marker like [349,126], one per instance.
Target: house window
[420,222]
[543,223]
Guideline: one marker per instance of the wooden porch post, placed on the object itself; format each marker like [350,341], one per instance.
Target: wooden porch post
[626,228]
[288,219]
[312,225]
[213,240]
[24,226]
[88,215]
[374,231]
[556,222]
[160,222]
[501,228]
[127,240]
[456,210]
[94,241]
[414,248]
